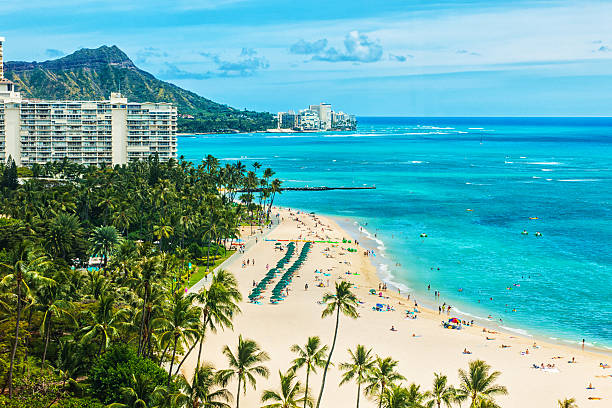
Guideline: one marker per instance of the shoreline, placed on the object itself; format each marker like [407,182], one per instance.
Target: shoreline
[421,346]
[351,227]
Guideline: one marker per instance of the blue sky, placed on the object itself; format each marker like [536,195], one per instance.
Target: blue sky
[385,57]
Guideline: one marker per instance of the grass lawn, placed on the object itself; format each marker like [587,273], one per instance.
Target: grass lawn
[201,270]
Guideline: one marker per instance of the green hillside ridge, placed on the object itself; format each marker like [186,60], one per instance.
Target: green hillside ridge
[92,74]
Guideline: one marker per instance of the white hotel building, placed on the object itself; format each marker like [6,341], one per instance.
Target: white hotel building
[113,131]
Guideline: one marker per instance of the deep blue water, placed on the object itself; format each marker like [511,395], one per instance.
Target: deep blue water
[429,172]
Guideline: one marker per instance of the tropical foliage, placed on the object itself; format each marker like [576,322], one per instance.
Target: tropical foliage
[94,267]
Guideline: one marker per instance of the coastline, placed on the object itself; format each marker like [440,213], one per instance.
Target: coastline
[352,228]
[421,346]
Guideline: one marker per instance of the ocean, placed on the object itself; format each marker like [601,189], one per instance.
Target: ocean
[472,185]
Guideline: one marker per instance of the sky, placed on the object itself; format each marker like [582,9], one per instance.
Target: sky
[370,58]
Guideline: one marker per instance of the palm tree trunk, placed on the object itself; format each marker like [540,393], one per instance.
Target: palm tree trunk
[27,344]
[172,361]
[200,351]
[238,393]
[185,357]
[14,351]
[44,356]
[140,333]
[359,392]
[306,392]
[329,357]
[208,255]
[163,356]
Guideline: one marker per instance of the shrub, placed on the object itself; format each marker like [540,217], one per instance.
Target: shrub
[116,369]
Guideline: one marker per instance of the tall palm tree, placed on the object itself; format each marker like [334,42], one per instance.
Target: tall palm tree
[416,399]
[163,231]
[358,368]
[275,188]
[478,383]
[567,403]
[52,304]
[342,301]
[396,396]
[382,375]
[219,304]
[441,392]
[291,393]
[25,269]
[312,357]
[181,325]
[103,241]
[146,271]
[244,365]
[104,323]
[63,230]
[203,391]
[143,389]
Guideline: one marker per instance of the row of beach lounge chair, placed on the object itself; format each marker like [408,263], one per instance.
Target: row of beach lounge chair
[285,280]
[263,284]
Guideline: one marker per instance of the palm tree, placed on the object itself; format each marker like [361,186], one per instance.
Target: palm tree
[382,375]
[312,356]
[290,395]
[478,383]
[181,325]
[203,391]
[483,403]
[219,304]
[441,392]
[342,301]
[104,323]
[103,242]
[163,230]
[567,403]
[147,271]
[396,396]
[63,230]
[244,365]
[416,399]
[52,304]
[142,390]
[358,368]
[275,187]
[23,270]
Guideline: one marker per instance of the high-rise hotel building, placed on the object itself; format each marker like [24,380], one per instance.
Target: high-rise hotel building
[113,131]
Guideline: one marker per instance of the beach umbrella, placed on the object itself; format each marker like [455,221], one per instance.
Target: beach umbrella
[454,320]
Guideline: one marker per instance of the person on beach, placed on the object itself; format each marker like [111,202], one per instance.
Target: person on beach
[306,287]
[393,328]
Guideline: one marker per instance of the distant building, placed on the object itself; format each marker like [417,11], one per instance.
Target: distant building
[309,120]
[325,115]
[287,120]
[343,121]
[112,131]
[319,117]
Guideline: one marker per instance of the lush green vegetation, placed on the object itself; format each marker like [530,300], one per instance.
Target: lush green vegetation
[93,73]
[86,335]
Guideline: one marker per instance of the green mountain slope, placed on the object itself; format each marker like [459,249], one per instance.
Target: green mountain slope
[95,73]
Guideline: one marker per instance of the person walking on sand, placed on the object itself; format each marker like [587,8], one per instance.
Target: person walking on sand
[306,287]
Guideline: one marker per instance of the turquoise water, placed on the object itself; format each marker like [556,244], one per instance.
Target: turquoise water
[429,172]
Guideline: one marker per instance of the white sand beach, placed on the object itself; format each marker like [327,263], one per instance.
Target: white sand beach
[422,346]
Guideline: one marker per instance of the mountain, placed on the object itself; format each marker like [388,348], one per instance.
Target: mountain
[92,74]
